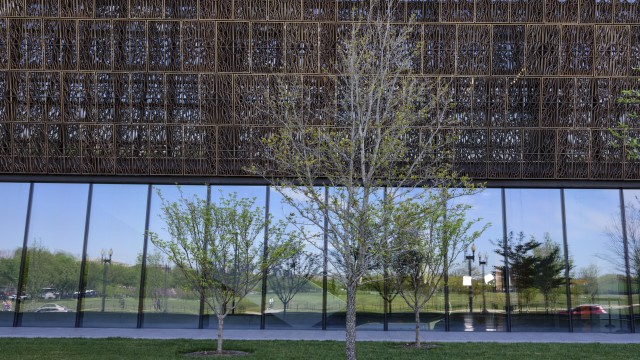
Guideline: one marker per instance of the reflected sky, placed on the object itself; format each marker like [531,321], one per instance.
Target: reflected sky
[58,217]
[13,209]
[589,214]
[486,207]
[117,222]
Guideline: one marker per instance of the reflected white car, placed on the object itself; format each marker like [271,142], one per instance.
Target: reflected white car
[51,308]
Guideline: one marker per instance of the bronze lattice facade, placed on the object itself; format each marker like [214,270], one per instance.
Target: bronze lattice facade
[169,87]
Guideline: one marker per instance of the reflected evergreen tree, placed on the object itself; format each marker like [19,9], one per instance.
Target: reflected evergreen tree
[522,264]
[549,267]
[533,266]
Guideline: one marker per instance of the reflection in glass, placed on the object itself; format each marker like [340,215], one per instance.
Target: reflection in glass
[616,248]
[168,301]
[294,287]
[114,256]
[476,291]
[56,237]
[13,209]
[598,284]
[536,260]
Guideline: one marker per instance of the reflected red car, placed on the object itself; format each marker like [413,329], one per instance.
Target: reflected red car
[589,309]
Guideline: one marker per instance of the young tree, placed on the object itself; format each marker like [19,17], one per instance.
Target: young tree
[292,275]
[433,234]
[217,248]
[372,125]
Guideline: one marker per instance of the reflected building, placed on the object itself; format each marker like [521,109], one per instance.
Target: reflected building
[104,102]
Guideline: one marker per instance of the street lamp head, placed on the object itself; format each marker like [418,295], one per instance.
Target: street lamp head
[104,253]
[473,248]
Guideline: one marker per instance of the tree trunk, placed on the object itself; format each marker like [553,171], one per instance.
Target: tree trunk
[220,324]
[417,315]
[351,323]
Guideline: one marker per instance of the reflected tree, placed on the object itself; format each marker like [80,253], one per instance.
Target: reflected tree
[521,261]
[534,266]
[549,266]
[216,247]
[66,272]
[381,283]
[293,275]
[589,281]
[10,271]
[432,235]
[614,250]
[156,279]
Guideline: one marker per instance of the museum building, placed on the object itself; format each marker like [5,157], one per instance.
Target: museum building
[103,102]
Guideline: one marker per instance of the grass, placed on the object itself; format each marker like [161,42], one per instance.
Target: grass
[117,348]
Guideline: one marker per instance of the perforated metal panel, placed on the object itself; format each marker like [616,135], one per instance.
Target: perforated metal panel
[160,87]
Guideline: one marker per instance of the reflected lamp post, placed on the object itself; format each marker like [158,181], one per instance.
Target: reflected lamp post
[166,300]
[483,261]
[105,260]
[470,258]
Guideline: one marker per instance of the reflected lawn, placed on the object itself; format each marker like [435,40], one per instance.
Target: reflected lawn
[308,350]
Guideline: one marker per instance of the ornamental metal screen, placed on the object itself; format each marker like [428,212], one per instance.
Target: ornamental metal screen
[170,87]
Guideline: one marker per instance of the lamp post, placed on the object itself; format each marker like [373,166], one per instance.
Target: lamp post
[470,258]
[105,260]
[235,272]
[483,262]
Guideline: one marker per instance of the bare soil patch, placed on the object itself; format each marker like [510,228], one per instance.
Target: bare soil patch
[225,353]
[422,346]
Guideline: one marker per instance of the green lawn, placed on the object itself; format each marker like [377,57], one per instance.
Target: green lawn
[307,350]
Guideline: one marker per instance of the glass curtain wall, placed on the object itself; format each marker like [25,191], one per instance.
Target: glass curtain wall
[536,260]
[113,266]
[54,254]
[477,299]
[109,293]
[632,217]
[294,287]
[13,212]
[169,301]
[599,301]
[336,293]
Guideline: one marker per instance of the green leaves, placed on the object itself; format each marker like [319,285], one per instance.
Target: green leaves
[219,246]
